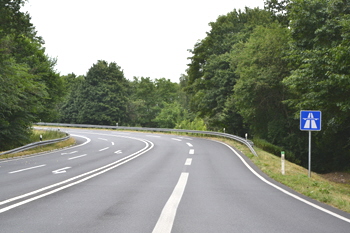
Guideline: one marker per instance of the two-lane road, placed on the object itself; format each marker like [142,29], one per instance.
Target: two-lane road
[140,182]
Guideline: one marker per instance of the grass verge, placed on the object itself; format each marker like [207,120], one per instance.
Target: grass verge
[47,135]
[296,177]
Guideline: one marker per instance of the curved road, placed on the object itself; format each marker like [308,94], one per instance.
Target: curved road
[140,182]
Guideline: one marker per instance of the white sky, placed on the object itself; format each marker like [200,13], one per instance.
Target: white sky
[146,38]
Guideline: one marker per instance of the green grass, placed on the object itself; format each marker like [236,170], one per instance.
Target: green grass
[46,135]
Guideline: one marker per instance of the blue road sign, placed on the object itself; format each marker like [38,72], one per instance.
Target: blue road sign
[310,120]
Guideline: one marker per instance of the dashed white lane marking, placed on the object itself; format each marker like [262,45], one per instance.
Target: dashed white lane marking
[191,151]
[104,139]
[188,162]
[166,219]
[104,149]
[69,153]
[118,152]
[185,138]
[189,144]
[76,157]
[154,136]
[112,143]
[29,168]
[176,139]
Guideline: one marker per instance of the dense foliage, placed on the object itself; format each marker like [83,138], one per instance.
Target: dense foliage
[30,88]
[252,73]
[257,69]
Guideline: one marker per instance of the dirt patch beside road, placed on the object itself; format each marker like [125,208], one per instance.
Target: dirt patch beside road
[338,177]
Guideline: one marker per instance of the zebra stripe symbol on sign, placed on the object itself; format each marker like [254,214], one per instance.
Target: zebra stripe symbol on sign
[310,120]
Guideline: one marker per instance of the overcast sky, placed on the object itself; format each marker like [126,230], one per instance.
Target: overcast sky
[145,38]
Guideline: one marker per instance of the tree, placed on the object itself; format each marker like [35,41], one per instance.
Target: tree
[321,78]
[148,98]
[259,92]
[210,75]
[99,98]
[30,88]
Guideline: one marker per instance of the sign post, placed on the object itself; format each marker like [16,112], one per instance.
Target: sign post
[310,121]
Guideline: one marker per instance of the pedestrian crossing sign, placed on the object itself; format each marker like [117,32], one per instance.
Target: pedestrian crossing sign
[310,120]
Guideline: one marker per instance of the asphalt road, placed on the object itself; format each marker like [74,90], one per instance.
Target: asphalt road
[141,182]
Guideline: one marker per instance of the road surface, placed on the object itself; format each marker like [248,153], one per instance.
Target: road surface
[144,182]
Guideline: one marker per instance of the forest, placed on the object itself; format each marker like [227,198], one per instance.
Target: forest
[253,73]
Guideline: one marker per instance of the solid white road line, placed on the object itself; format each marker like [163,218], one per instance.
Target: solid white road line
[79,156]
[188,162]
[104,149]
[93,173]
[283,190]
[166,219]
[25,169]
[191,152]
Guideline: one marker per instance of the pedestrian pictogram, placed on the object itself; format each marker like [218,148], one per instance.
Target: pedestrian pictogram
[310,120]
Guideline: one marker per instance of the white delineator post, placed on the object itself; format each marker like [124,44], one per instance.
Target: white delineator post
[282,162]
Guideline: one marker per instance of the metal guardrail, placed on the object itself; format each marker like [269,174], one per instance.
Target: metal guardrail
[35,144]
[248,143]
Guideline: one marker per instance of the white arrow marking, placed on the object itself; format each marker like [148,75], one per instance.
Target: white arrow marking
[69,153]
[118,152]
[62,170]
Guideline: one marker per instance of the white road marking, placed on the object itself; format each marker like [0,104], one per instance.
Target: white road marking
[188,162]
[166,219]
[118,152]
[285,191]
[79,156]
[91,174]
[104,149]
[176,139]
[191,151]
[29,168]
[59,171]
[189,144]
[39,155]
[73,152]
[185,138]
[103,139]
[112,143]
[154,136]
